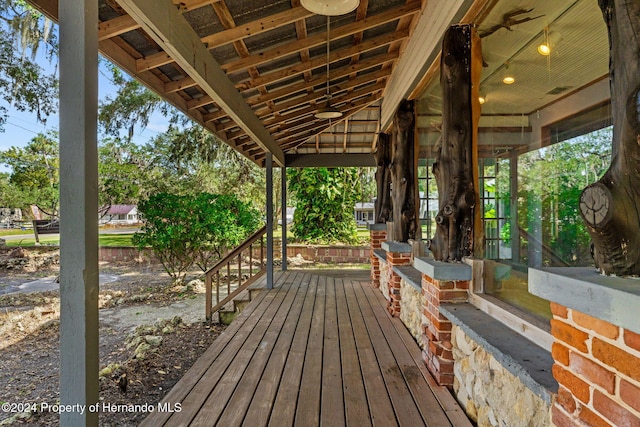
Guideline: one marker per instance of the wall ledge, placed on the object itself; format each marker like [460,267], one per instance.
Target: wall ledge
[410,275]
[377,227]
[612,299]
[380,253]
[396,247]
[523,358]
[439,270]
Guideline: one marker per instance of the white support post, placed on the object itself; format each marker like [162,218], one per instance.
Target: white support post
[269,167]
[79,357]
[283,171]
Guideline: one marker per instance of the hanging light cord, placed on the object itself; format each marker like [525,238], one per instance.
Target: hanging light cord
[328,42]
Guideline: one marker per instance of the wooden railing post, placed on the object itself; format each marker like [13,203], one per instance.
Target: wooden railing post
[208,296]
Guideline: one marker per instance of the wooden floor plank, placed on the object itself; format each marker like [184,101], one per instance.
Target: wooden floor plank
[194,374]
[405,409]
[449,404]
[193,402]
[355,397]
[423,396]
[261,339]
[332,401]
[381,409]
[284,404]
[319,348]
[308,407]
[270,348]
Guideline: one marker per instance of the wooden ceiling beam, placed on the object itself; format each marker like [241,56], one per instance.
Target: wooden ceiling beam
[286,73]
[293,142]
[125,23]
[171,31]
[336,88]
[321,38]
[232,34]
[299,69]
[335,102]
[290,90]
[338,73]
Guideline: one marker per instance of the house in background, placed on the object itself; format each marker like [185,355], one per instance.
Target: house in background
[364,213]
[121,215]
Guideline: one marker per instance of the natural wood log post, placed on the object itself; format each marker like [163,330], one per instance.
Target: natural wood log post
[403,173]
[383,179]
[611,206]
[456,164]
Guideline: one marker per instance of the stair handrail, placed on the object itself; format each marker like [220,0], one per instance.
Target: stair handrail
[226,262]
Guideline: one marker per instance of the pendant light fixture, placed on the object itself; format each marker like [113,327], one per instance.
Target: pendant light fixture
[328,112]
[330,7]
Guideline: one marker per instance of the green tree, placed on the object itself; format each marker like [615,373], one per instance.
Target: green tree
[324,200]
[35,170]
[187,229]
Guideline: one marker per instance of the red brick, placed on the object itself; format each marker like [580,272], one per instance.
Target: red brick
[591,419]
[630,394]
[559,310]
[569,335]
[593,372]
[445,284]
[560,418]
[566,400]
[578,387]
[615,413]
[427,279]
[560,353]
[617,358]
[632,339]
[453,296]
[600,327]
[463,284]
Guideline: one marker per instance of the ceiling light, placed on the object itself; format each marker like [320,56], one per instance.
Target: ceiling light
[482,99]
[549,41]
[328,112]
[330,7]
[507,77]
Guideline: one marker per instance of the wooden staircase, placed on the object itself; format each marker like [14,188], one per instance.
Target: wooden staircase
[227,283]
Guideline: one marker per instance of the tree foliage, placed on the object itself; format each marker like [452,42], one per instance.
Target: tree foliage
[187,229]
[553,202]
[35,169]
[324,200]
[23,83]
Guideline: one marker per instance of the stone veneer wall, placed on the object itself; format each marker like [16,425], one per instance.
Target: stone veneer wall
[489,393]
[598,367]
[411,303]
[385,274]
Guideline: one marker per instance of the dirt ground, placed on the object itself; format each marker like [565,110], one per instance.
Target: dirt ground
[138,365]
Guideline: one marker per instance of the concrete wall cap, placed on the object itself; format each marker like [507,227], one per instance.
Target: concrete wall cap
[397,247]
[439,270]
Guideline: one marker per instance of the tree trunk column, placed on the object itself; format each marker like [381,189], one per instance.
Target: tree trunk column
[403,173]
[455,168]
[611,206]
[79,360]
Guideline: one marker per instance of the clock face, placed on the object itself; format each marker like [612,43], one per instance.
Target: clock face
[594,204]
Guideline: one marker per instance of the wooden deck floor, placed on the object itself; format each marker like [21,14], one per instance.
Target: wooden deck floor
[318,349]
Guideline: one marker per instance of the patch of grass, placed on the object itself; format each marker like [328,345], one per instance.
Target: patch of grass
[105,240]
[14,232]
